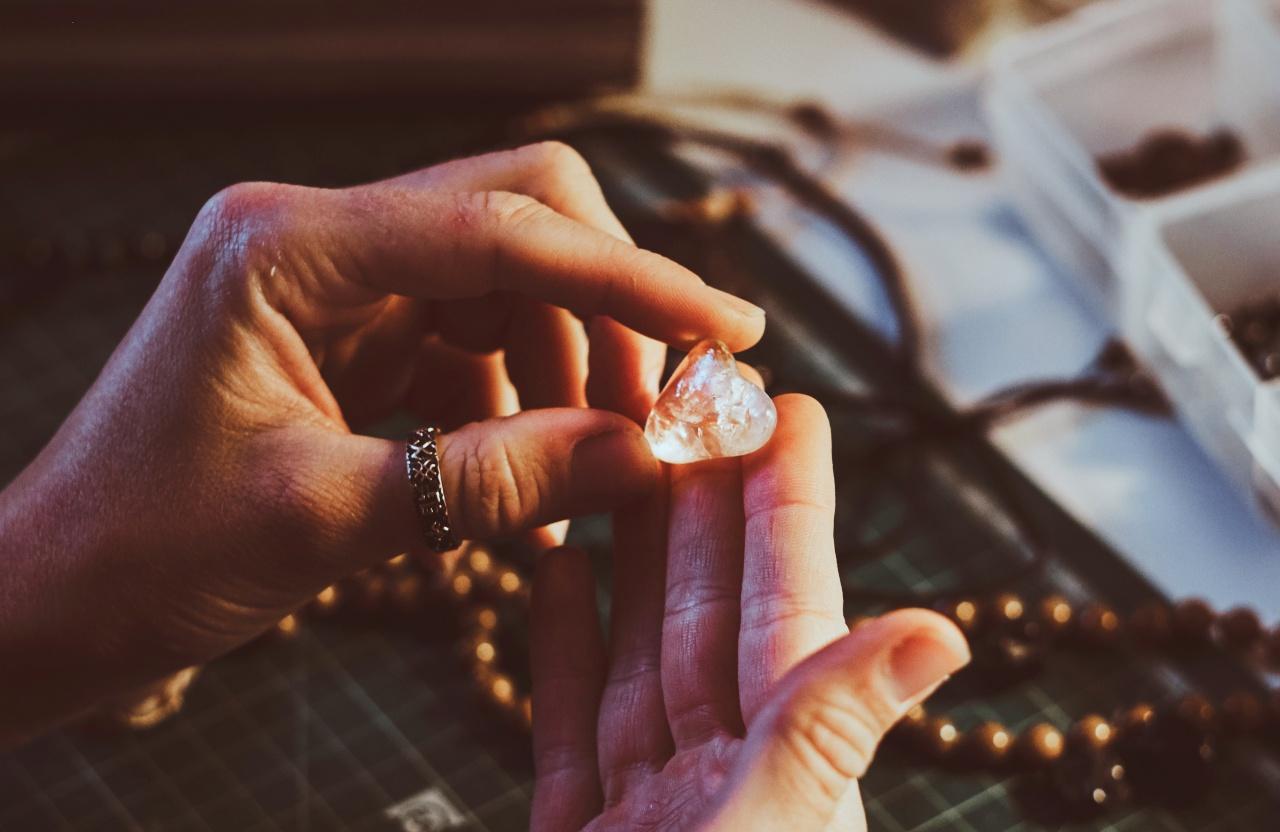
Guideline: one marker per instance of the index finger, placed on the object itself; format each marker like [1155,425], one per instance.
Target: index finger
[347,247]
[792,602]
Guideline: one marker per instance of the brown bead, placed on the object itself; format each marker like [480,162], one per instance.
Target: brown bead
[482,651]
[1239,628]
[1099,625]
[1243,712]
[287,628]
[1151,625]
[1193,621]
[1040,745]
[940,737]
[502,690]
[1056,614]
[478,560]
[483,618]
[1007,609]
[1091,731]
[987,745]
[326,601]
[964,613]
[370,591]
[1135,717]
[508,582]
[1196,710]
[461,586]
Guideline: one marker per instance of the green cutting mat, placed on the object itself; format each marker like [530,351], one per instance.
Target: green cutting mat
[354,717]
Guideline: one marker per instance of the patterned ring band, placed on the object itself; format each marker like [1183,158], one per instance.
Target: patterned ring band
[423,465]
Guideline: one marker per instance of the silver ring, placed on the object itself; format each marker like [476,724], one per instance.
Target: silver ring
[422,462]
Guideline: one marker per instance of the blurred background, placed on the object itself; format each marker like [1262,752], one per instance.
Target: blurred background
[1021,249]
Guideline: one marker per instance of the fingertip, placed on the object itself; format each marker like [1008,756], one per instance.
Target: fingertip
[801,413]
[922,650]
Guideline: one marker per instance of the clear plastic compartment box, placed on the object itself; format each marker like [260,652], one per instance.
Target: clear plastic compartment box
[1207,255]
[1164,270]
[1100,81]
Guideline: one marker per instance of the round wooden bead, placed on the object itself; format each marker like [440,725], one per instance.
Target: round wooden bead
[987,745]
[1007,609]
[1167,757]
[326,601]
[1193,621]
[1091,731]
[1239,628]
[939,738]
[1099,625]
[1135,717]
[1040,745]
[483,618]
[1196,710]
[370,591]
[1151,625]
[287,628]
[1056,614]
[965,613]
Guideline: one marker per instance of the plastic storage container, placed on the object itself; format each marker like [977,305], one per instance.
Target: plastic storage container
[1205,256]
[1251,32]
[1164,270]
[1100,81]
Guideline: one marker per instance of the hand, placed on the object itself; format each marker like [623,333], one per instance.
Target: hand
[211,482]
[733,696]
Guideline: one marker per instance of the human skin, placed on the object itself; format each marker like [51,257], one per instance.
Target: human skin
[214,478]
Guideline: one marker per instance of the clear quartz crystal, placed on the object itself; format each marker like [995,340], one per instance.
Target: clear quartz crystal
[708,410]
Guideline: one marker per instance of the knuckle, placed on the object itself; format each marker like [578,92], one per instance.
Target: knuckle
[236,215]
[501,208]
[494,495]
[833,736]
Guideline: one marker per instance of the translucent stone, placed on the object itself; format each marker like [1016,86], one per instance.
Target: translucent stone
[708,410]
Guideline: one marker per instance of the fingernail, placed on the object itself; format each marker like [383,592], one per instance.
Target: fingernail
[923,661]
[737,304]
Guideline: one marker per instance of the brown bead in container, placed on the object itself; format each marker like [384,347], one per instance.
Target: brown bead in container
[1169,160]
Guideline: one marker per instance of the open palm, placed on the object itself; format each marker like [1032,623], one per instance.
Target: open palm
[731,695]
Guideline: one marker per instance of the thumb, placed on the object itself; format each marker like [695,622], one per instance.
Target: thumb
[818,732]
[500,476]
